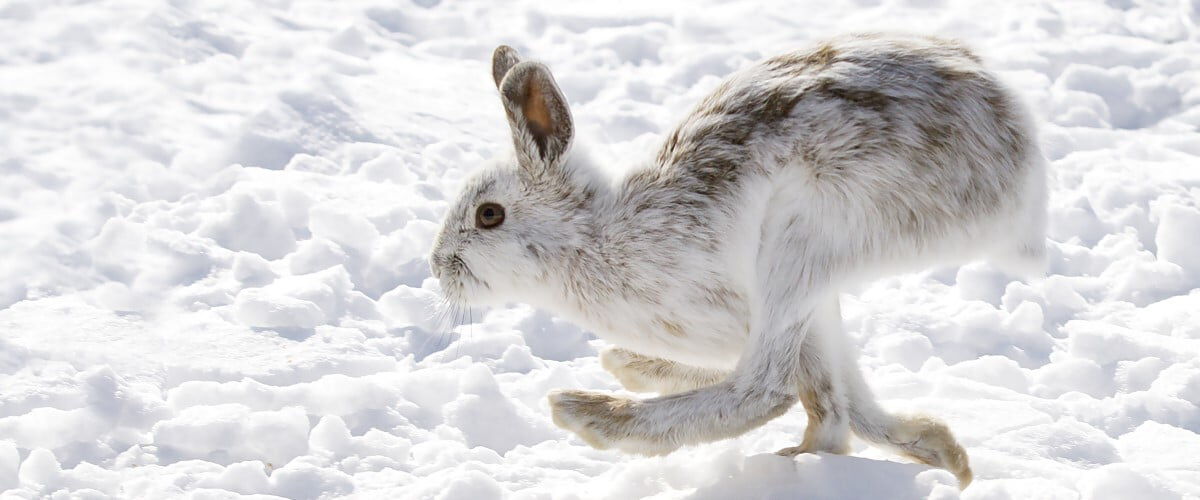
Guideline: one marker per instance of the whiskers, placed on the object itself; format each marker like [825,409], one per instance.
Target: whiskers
[445,316]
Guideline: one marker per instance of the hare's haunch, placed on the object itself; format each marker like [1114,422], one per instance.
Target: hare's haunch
[715,266]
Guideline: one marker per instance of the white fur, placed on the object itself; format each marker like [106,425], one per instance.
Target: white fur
[737,269]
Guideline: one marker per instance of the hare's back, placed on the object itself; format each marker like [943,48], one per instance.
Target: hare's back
[894,108]
[924,100]
[909,140]
[914,140]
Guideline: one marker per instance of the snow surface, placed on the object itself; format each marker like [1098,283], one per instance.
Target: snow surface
[214,216]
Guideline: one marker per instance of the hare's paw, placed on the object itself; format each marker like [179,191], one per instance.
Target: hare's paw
[928,440]
[620,363]
[594,417]
[833,447]
[792,451]
[603,421]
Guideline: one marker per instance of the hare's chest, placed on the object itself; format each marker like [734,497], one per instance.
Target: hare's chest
[697,324]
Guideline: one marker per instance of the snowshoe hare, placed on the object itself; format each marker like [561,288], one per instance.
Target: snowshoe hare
[716,265]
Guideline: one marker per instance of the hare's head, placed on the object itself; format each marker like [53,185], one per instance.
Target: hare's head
[527,215]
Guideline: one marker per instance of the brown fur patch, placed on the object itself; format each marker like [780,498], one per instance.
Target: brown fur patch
[706,153]
[863,98]
[820,57]
[671,327]
[816,398]
[537,115]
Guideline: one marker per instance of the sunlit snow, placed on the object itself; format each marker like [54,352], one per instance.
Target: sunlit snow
[214,217]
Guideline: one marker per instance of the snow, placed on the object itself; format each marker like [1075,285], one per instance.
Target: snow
[214,218]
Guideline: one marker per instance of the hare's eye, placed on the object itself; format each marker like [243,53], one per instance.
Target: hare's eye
[489,215]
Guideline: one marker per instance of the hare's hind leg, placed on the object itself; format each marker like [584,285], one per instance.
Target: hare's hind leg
[838,400]
[919,437]
[640,373]
[822,390]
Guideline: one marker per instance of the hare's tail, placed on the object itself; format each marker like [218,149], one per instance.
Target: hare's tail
[1025,255]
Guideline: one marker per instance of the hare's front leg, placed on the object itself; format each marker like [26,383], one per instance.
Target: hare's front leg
[762,386]
[760,389]
[640,373]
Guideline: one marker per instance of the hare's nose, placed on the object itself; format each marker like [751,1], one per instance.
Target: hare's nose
[439,262]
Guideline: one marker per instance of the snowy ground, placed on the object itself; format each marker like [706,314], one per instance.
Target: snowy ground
[214,215]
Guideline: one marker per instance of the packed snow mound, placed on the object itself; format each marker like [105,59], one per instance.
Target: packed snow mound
[214,218]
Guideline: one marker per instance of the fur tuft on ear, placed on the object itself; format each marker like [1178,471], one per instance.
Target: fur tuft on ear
[537,112]
[503,59]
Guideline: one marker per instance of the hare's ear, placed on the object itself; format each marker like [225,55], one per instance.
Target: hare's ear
[503,59]
[537,112]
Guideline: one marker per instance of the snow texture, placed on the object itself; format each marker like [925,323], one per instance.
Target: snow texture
[214,218]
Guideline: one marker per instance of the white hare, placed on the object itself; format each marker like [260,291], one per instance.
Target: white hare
[716,265]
